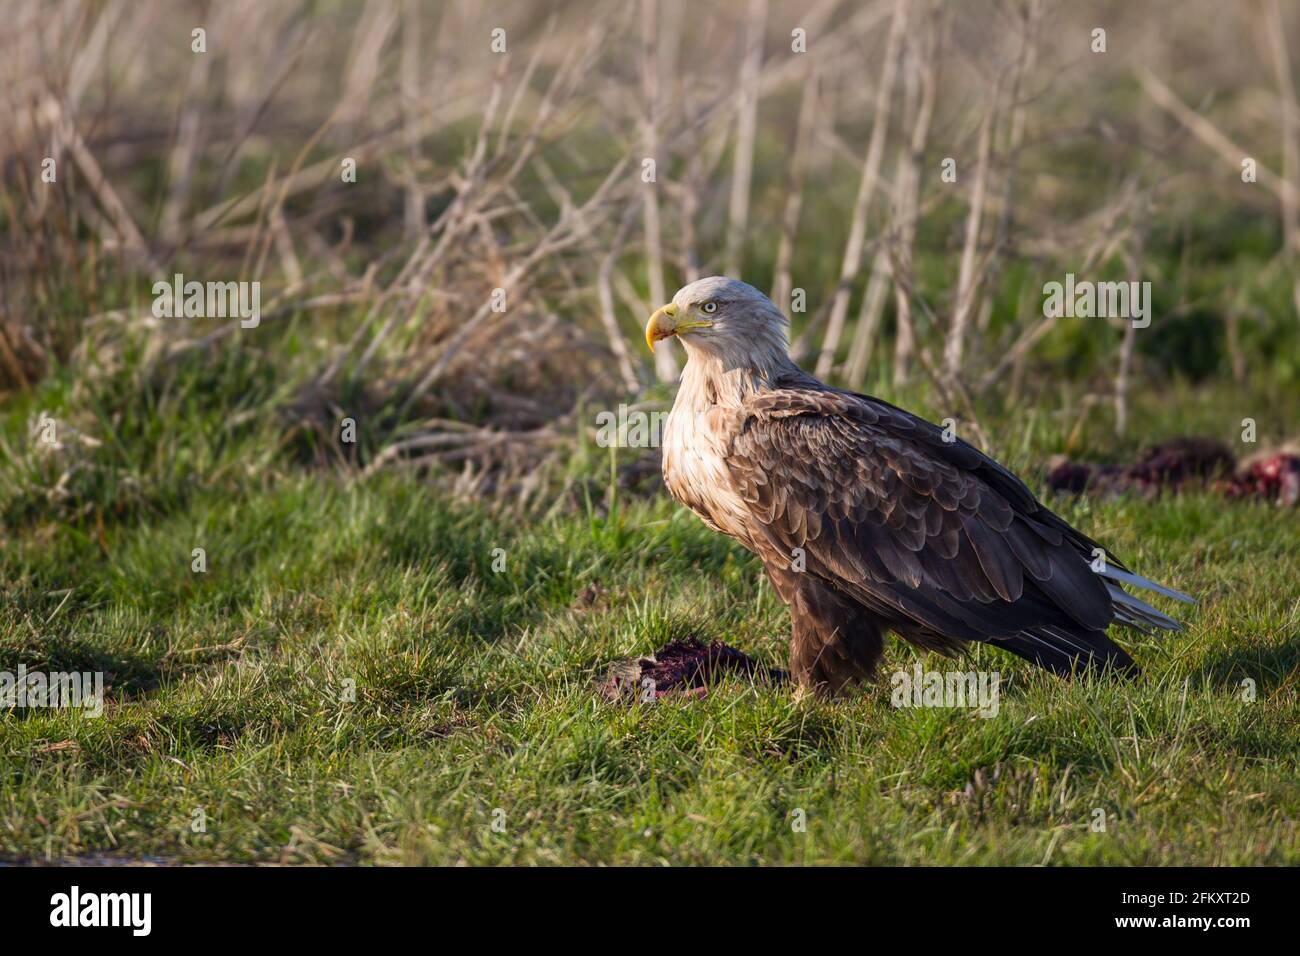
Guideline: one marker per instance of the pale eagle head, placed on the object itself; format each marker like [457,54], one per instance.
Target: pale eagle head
[724,320]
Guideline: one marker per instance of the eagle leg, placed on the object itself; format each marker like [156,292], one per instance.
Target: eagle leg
[835,643]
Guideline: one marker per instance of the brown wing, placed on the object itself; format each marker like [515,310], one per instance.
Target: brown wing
[933,537]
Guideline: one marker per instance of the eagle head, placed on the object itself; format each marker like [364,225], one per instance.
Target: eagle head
[722,318]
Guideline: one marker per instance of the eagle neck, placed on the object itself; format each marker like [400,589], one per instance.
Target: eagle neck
[707,381]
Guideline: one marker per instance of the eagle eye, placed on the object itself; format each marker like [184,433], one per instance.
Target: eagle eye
[709,308]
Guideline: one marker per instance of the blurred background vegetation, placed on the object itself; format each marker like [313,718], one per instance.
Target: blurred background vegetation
[800,146]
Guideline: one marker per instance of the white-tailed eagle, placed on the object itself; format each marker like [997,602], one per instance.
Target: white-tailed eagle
[865,518]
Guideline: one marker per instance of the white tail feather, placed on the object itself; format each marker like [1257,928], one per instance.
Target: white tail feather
[1130,609]
[1139,582]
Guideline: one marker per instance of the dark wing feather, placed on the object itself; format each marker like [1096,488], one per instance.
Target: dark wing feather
[935,538]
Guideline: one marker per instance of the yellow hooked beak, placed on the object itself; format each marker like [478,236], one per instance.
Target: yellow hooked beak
[668,321]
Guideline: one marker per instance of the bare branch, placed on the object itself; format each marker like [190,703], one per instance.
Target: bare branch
[866,189]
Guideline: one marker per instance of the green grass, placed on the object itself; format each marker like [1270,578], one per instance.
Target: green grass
[474,692]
